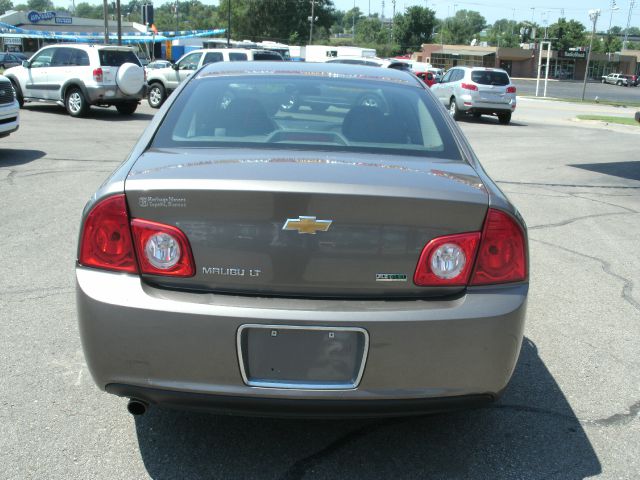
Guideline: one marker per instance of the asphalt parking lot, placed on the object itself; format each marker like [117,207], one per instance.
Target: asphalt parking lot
[573,89]
[570,412]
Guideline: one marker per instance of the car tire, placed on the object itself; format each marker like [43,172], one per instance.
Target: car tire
[504,118]
[619,83]
[127,108]
[157,95]
[19,96]
[453,109]
[75,102]
[604,81]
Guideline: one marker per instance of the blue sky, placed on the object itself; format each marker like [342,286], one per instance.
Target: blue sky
[493,10]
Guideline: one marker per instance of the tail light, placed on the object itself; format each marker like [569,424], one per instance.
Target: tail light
[447,260]
[106,238]
[511,89]
[162,249]
[469,86]
[97,74]
[495,255]
[502,256]
[107,243]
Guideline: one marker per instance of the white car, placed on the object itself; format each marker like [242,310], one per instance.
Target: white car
[371,62]
[163,81]
[77,76]
[9,108]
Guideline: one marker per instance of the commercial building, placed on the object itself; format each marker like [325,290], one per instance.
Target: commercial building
[59,22]
[523,62]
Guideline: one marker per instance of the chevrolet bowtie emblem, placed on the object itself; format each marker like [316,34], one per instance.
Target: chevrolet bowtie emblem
[307,225]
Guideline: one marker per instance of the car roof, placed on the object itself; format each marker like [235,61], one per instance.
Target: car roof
[318,69]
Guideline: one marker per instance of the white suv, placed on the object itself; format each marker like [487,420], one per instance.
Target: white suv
[78,76]
[9,108]
[163,81]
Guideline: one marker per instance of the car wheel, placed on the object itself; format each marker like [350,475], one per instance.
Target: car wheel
[157,95]
[127,108]
[604,81]
[453,109]
[504,118]
[619,83]
[19,96]
[75,103]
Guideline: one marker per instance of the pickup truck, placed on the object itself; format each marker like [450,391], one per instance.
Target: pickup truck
[616,79]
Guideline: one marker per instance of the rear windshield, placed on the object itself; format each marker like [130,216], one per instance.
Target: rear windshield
[270,56]
[115,58]
[487,77]
[338,114]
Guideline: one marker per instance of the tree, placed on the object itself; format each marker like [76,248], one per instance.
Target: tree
[462,28]
[40,5]
[348,19]
[567,34]
[414,28]
[504,33]
[5,5]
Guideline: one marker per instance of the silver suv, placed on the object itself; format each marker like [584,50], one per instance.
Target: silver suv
[78,76]
[477,91]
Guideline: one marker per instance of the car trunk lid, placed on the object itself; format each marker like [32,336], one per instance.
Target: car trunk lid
[249,217]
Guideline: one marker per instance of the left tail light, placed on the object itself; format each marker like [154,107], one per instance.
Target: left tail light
[110,240]
[511,89]
[469,86]
[98,74]
[106,237]
[162,249]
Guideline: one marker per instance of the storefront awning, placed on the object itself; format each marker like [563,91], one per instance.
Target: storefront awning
[7,30]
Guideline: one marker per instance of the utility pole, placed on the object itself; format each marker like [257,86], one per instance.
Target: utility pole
[229,24]
[353,28]
[393,16]
[593,16]
[312,18]
[119,17]
[626,31]
[105,7]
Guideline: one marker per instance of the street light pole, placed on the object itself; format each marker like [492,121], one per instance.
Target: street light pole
[105,7]
[593,16]
[313,3]
[626,31]
[229,24]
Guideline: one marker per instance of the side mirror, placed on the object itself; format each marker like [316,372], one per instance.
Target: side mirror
[26,64]
[175,66]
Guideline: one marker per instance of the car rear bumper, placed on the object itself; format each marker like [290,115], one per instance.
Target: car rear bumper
[472,106]
[179,348]
[111,94]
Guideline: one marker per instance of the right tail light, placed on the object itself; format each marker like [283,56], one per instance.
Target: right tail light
[495,255]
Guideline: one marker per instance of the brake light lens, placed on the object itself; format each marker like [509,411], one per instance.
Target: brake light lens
[106,239]
[162,249]
[469,86]
[511,89]
[447,261]
[97,74]
[502,254]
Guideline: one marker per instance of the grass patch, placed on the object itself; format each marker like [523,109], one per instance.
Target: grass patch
[613,103]
[608,119]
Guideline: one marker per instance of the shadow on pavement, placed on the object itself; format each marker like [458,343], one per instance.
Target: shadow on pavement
[95,113]
[531,433]
[488,119]
[629,170]
[10,157]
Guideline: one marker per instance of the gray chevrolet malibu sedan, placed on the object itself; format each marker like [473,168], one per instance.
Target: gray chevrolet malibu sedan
[305,239]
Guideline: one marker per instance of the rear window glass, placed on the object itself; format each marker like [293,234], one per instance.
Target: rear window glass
[115,58]
[267,56]
[487,77]
[307,113]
